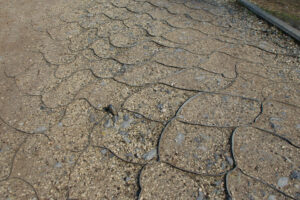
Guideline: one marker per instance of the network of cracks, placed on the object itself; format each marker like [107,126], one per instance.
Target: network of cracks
[204,104]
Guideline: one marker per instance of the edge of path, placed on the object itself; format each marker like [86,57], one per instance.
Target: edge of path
[293,32]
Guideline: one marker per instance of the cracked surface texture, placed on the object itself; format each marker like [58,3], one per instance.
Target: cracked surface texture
[146,99]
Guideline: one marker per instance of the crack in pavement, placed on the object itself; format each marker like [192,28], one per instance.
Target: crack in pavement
[195,85]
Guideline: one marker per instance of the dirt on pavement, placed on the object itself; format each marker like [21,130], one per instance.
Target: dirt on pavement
[146,99]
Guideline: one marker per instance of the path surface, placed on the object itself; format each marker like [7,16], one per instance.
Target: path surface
[206,102]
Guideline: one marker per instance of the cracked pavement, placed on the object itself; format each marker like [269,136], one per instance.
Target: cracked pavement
[205,96]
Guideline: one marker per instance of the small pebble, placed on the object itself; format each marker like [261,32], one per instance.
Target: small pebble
[205,116]
[92,118]
[40,129]
[179,138]
[295,174]
[127,179]
[149,155]
[110,155]
[181,116]
[225,99]
[115,119]
[160,106]
[229,160]
[103,151]
[125,124]
[126,117]
[283,181]
[126,139]
[178,50]
[218,183]
[129,155]
[223,165]
[107,124]
[71,160]
[272,197]
[200,196]
[216,156]
[123,133]
[138,116]
[103,83]
[90,40]
[111,109]
[274,122]
[58,165]
[200,78]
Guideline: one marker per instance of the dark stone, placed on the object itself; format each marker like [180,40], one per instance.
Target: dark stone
[295,174]
[126,117]
[111,109]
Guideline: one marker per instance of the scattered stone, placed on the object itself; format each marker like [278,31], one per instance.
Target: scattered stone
[111,109]
[160,107]
[115,119]
[229,160]
[103,151]
[200,196]
[127,179]
[125,124]
[40,129]
[180,138]
[123,133]
[58,165]
[129,155]
[149,155]
[107,124]
[282,182]
[274,122]
[138,115]
[295,174]
[126,117]
[272,197]
[92,118]
[126,139]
